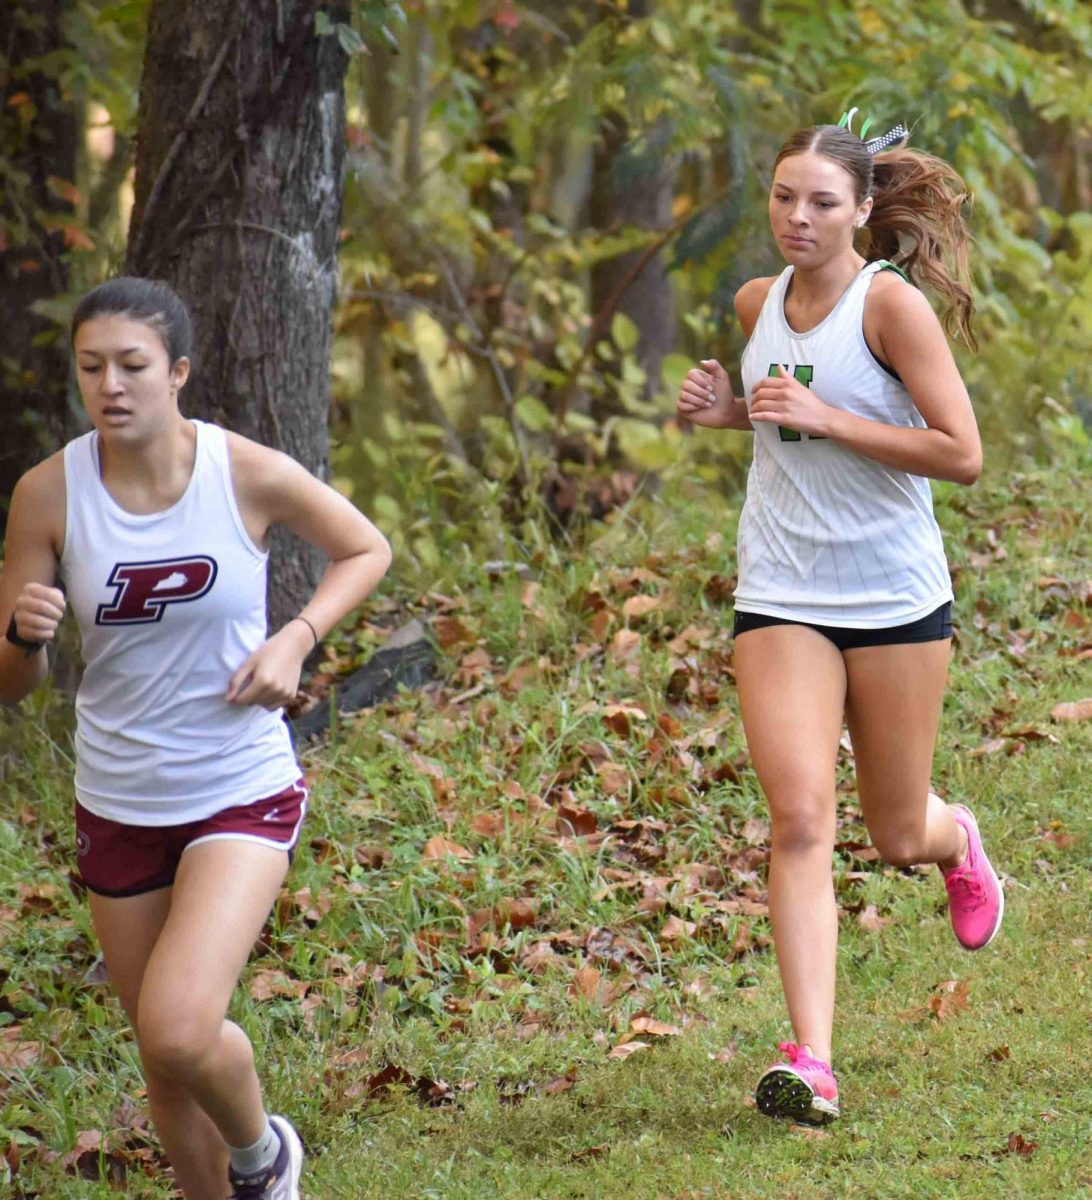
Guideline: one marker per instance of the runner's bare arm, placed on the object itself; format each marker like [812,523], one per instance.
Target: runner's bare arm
[271,488]
[910,338]
[35,533]
[706,396]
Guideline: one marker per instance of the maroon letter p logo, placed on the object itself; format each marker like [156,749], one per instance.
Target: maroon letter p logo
[145,589]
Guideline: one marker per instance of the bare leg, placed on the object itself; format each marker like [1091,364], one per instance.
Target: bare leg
[127,930]
[893,710]
[792,694]
[202,1086]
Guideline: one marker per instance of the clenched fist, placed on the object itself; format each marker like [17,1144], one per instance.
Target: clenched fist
[38,612]
[706,396]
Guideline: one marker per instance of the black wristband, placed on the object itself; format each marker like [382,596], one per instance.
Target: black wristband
[12,636]
[314,631]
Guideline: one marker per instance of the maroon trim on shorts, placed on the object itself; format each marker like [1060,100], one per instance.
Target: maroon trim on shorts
[119,860]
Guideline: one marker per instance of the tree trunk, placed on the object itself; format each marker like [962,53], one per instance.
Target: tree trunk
[38,132]
[648,295]
[240,155]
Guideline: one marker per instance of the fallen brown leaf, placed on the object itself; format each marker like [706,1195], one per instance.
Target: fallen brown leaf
[14,1052]
[575,822]
[488,825]
[653,1027]
[613,776]
[989,746]
[517,913]
[952,997]
[450,631]
[1073,710]
[675,928]
[639,606]
[755,830]
[442,847]
[585,982]
[871,920]
[1018,1144]
[627,1048]
[267,984]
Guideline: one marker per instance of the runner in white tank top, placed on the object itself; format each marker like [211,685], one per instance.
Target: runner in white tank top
[843,595]
[168,604]
[186,781]
[826,534]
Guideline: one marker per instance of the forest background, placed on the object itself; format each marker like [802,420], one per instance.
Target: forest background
[545,209]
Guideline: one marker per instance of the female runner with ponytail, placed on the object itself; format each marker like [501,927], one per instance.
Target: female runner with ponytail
[843,605]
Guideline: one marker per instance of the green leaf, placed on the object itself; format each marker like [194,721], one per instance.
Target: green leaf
[624,332]
[673,369]
[646,445]
[533,414]
[351,41]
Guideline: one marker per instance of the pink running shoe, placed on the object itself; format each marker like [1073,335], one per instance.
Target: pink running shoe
[976,901]
[803,1089]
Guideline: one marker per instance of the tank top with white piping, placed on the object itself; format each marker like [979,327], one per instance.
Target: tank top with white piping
[827,535]
[169,606]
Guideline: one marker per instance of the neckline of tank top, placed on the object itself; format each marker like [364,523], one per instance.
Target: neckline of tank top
[796,333]
[120,510]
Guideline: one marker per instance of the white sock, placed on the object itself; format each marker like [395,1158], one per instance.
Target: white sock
[258,1157]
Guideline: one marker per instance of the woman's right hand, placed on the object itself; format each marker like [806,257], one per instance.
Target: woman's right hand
[38,612]
[706,396]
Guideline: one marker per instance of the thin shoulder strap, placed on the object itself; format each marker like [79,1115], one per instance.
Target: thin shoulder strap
[886,265]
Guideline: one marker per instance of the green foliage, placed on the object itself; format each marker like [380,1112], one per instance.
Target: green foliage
[474,206]
[469,236]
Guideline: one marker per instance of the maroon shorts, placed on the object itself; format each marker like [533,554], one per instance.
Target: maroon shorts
[126,860]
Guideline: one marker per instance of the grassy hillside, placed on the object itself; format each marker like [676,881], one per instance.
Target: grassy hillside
[524,951]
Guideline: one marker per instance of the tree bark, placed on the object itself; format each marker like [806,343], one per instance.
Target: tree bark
[38,132]
[240,155]
[649,297]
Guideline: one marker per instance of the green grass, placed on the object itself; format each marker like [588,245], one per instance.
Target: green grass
[508,1088]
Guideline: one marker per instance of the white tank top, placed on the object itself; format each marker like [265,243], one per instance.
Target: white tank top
[828,535]
[169,605]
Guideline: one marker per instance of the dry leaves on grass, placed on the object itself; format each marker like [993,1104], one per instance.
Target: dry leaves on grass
[585,982]
[451,631]
[869,918]
[625,1049]
[267,985]
[639,606]
[653,1028]
[676,929]
[442,847]
[949,998]
[1018,1145]
[15,1053]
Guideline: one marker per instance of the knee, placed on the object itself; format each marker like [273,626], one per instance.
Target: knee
[174,1046]
[803,825]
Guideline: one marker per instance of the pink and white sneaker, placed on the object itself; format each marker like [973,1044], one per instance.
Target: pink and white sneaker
[803,1089]
[976,900]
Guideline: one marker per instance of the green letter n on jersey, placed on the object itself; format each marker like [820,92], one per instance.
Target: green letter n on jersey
[802,374]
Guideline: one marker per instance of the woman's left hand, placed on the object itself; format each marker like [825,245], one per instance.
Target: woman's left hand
[270,677]
[783,400]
